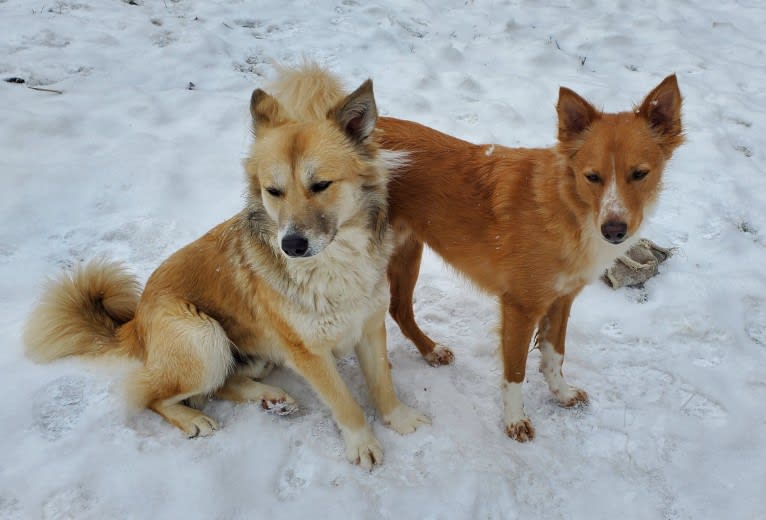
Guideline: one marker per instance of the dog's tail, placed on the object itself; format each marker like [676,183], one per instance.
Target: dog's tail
[80,314]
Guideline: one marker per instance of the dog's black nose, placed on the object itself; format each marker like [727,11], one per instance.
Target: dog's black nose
[614,231]
[295,245]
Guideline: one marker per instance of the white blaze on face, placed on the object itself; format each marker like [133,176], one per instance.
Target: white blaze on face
[612,205]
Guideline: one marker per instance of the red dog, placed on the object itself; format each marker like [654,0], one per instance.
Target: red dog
[532,226]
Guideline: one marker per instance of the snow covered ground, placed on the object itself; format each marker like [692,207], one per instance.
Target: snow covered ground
[133,161]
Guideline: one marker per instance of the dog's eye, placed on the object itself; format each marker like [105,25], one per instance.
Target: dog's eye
[637,175]
[319,187]
[593,177]
[274,192]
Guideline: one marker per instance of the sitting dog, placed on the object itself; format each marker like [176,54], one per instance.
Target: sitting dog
[297,276]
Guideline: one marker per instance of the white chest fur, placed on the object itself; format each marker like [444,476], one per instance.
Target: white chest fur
[591,259]
[329,297]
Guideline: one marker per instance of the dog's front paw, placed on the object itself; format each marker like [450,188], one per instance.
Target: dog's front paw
[521,431]
[362,448]
[440,355]
[572,396]
[405,420]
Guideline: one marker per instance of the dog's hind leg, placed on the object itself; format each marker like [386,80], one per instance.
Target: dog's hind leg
[189,420]
[403,270]
[241,388]
[373,358]
[552,336]
[187,354]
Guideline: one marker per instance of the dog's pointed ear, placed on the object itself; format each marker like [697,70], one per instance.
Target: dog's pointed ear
[265,109]
[357,114]
[575,115]
[662,111]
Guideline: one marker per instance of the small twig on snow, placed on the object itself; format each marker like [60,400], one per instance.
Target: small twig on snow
[41,89]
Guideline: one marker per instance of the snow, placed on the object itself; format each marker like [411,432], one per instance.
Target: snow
[131,163]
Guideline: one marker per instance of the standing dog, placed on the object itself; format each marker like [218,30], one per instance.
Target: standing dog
[298,275]
[531,226]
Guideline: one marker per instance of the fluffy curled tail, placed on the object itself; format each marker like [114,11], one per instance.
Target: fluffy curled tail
[80,312]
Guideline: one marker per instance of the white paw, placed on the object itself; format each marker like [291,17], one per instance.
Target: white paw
[571,396]
[405,419]
[517,424]
[363,448]
[521,430]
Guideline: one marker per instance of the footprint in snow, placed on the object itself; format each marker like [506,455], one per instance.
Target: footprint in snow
[59,406]
[471,119]
[6,251]
[703,407]
[248,23]
[297,473]
[469,84]
[9,506]
[414,27]
[68,503]
[46,38]
[163,38]
[740,121]
[755,320]
[744,150]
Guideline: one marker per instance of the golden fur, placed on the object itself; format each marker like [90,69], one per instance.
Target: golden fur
[531,226]
[297,275]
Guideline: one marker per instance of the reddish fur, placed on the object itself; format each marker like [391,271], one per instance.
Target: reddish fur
[519,222]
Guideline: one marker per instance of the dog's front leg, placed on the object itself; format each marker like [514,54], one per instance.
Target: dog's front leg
[322,374]
[553,331]
[518,323]
[373,358]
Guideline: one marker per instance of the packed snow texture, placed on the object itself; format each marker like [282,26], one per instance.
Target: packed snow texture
[136,149]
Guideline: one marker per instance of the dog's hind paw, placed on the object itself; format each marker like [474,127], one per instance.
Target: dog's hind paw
[405,420]
[280,406]
[521,431]
[200,426]
[440,355]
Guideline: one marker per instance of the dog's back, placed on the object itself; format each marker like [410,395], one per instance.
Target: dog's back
[475,205]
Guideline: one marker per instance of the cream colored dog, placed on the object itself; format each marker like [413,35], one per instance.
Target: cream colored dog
[297,276]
